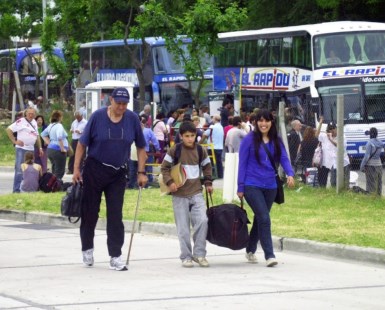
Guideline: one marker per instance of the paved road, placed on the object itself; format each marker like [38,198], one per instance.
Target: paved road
[40,269]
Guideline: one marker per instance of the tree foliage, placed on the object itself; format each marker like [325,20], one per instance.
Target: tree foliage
[74,22]
[201,23]
[276,13]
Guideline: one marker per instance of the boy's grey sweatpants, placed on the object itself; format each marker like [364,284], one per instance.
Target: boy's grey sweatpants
[192,209]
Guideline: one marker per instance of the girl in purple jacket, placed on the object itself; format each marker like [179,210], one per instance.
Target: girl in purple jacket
[257,182]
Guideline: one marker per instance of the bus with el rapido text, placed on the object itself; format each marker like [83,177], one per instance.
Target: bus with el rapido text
[308,66]
[166,82]
[29,62]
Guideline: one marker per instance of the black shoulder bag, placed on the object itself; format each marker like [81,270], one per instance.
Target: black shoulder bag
[280,197]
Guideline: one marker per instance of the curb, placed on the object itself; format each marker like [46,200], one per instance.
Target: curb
[7,169]
[341,251]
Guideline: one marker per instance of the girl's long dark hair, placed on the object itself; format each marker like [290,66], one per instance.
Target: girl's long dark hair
[272,134]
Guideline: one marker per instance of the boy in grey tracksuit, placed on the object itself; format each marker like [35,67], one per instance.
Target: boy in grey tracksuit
[188,202]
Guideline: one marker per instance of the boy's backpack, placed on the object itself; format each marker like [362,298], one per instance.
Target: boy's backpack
[178,151]
[49,183]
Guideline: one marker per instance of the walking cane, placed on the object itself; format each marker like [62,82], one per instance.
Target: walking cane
[134,224]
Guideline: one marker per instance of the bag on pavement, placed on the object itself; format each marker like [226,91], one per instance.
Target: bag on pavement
[49,183]
[72,202]
[227,225]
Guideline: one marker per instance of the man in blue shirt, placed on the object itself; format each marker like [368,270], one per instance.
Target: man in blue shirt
[108,136]
[215,135]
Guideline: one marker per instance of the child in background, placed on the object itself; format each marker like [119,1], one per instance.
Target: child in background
[188,202]
[31,174]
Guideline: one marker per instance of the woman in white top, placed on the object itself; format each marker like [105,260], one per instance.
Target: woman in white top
[328,142]
[160,130]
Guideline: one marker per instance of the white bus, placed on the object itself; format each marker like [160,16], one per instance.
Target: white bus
[308,66]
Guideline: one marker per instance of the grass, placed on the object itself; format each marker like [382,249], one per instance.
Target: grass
[314,214]
[311,213]
[7,151]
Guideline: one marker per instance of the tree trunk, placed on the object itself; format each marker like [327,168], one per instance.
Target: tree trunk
[142,88]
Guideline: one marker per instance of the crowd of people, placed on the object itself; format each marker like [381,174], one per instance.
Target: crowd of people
[30,134]
[116,149]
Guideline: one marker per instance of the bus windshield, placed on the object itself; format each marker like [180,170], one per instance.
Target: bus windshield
[353,110]
[342,49]
[363,103]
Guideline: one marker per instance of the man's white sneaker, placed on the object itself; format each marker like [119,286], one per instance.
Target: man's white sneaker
[271,262]
[116,263]
[88,257]
[202,261]
[187,263]
[251,258]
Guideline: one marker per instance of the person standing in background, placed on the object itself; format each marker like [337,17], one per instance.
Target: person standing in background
[294,138]
[55,137]
[215,135]
[329,156]
[160,131]
[235,135]
[371,163]
[41,160]
[147,112]
[27,136]
[227,106]
[306,150]
[152,146]
[77,128]
[204,111]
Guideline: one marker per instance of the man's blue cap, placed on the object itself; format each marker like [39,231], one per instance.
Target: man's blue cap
[121,94]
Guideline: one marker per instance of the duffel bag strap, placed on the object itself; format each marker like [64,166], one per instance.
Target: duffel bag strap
[211,198]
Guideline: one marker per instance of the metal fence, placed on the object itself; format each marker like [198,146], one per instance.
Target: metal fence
[359,114]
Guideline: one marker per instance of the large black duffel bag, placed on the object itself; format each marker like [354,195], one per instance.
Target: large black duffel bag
[227,225]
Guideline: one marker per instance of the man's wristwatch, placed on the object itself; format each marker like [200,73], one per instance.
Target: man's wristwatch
[142,172]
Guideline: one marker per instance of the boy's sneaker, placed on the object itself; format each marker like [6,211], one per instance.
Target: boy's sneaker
[271,262]
[251,258]
[187,263]
[88,257]
[116,263]
[202,261]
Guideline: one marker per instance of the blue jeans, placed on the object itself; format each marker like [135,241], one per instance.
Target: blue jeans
[219,165]
[150,160]
[132,174]
[18,173]
[260,200]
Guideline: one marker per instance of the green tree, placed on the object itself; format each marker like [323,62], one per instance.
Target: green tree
[200,22]
[21,18]
[277,13]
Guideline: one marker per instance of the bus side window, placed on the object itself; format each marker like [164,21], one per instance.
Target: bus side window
[159,60]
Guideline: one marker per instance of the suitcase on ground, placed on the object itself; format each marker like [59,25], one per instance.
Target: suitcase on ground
[227,225]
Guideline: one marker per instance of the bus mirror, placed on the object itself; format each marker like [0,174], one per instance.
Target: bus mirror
[313,92]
